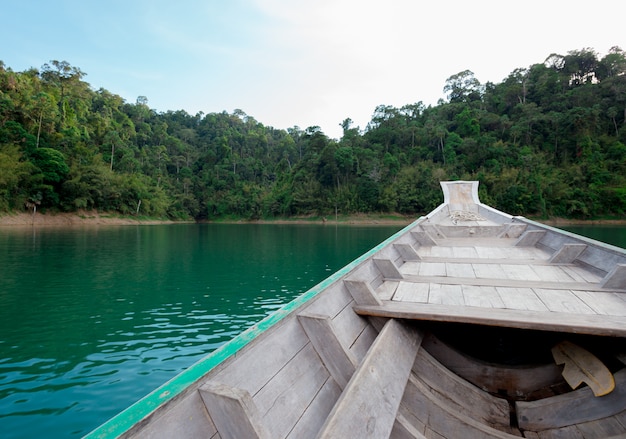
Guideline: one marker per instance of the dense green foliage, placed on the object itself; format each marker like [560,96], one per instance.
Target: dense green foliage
[549,140]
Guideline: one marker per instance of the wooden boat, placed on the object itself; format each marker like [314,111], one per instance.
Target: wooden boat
[468,323]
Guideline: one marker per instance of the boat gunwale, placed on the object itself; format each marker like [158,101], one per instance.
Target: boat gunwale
[140,410]
[189,379]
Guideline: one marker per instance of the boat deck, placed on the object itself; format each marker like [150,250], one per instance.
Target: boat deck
[501,280]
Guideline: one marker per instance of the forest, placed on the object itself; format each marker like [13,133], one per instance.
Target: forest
[548,141]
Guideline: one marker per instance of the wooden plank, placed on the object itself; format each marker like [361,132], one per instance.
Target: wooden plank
[407,252]
[520,272]
[553,273]
[314,416]
[489,271]
[616,278]
[460,270]
[233,412]
[567,253]
[530,238]
[441,418]
[286,397]
[187,418]
[432,269]
[464,252]
[423,238]
[562,301]
[510,283]
[493,377]
[609,428]
[337,359]
[460,394]
[603,303]
[364,341]
[485,297]
[348,326]
[572,408]
[255,366]
[411,268]
[387,289]
[441,252]
[494,253]
[367,407]
[446,294]
[362,292]
[412,292]
[513,230]
[585,275]
[387,268]
[571,323]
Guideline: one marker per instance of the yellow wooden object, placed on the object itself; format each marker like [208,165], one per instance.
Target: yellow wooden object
[580,366]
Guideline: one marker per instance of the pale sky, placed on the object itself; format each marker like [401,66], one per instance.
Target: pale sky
[297,62]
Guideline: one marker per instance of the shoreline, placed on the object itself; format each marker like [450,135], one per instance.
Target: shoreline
[93,218]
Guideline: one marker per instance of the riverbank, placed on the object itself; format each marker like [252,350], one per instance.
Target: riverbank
[73,219]
[87,218]
[95,218]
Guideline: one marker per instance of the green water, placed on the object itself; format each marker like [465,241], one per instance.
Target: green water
[611,234]
[92,319]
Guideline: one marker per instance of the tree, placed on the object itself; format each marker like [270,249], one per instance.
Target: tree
[463,87]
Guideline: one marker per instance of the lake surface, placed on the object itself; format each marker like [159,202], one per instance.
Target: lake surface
[611,234]
[94,318]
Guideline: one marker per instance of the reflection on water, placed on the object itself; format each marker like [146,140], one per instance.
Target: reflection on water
[92,319]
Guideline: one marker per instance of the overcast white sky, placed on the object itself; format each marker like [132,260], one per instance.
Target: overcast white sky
[297,62]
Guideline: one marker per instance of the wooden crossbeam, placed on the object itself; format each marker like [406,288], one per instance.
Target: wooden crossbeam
[234,413]
[616,278]
[530,238]
[338,360]
[368,406]
[511,318]
[568,253]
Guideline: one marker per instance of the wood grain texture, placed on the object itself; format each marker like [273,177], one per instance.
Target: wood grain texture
[367,407]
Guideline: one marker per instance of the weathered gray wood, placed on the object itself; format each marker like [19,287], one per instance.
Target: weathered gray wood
[387,289]
[309,424]
[260,363]
[442,418]
[520,272]
[570,323]
[491,377]
[423,238]
[513,230]
[284,399]
[504,282]
[459,270]
[367,407]
[412,292]
[432,269]
[446,294]
[572,408]
[568,253]
[387,268]
[616,278]
[233,412]
[562,301]
[530,238]
[407,252]
[362,292]
[486,297]
[192,409]
[603,303]
[337,359]
[460,394]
